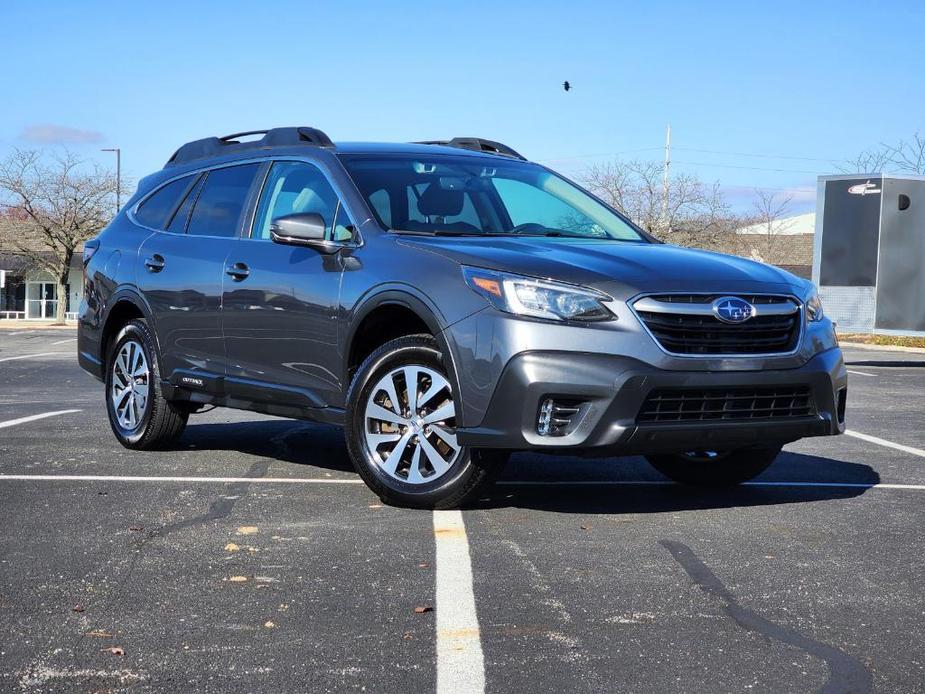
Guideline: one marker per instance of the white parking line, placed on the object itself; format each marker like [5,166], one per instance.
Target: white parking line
[884,442]
[666,483]
[460,664]
[32,418]
[61,342]
[508,483]
[860,373]
[156,478]
[40,354]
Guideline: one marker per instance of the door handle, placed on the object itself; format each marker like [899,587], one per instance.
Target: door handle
[238,271]
[155,263]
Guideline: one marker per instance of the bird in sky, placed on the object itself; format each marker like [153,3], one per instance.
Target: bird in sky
[566,86]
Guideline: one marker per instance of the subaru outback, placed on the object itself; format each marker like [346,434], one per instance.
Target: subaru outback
[447,303]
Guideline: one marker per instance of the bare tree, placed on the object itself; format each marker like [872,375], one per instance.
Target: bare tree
[53,204]
[770,218]
[908,156]
[697,214]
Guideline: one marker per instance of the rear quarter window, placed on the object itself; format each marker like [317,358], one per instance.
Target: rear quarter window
[156,210]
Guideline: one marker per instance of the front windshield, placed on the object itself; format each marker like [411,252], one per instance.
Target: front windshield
[475,195]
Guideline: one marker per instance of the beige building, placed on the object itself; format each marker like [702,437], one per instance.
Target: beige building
[29,292]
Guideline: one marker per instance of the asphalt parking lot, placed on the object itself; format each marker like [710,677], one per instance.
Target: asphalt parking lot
[250,558]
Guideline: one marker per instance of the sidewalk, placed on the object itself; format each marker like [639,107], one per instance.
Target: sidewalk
[15,324]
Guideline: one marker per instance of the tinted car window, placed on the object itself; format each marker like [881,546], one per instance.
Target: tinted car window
[483,195]
[343,226]
[382,203]
[294,187]
[218,208]
[465,219]
[527,204]
[181,216]
[156,210]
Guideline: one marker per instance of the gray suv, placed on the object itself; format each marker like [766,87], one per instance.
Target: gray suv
[448,303]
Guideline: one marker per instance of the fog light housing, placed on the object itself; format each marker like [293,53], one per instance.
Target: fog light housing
[557,416]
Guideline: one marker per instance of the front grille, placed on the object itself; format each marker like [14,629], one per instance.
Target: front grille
[727,404]
[686,324]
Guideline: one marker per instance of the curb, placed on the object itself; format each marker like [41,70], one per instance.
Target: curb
[881,348]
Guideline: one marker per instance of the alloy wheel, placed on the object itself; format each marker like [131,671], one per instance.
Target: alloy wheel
[409,425]
[130,382]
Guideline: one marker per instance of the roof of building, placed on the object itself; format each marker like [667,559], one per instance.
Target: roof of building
[13,237]
[788,226]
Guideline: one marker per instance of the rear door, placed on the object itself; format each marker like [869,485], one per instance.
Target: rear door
[181,270]
[279,315]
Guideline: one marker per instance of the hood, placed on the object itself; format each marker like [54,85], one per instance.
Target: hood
[620,269]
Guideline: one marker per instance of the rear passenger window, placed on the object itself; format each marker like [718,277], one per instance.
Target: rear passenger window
[221,201]
[178,223]
[156,210]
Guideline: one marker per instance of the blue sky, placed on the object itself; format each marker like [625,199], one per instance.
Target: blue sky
[821,79]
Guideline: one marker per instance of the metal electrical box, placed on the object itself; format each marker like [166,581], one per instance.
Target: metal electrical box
[869,252]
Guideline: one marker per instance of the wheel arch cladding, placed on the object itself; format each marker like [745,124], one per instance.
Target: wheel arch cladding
[389,315]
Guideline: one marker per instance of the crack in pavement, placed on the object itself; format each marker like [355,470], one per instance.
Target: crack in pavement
[220,508]
[846,674]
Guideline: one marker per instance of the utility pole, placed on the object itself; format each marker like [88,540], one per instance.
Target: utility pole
[665,184]
[118,175]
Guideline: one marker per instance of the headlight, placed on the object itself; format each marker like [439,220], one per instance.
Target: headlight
[814,308]
[526,296]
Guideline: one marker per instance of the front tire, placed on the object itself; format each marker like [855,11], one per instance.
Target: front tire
[140,416]
[715,468]
[401,429]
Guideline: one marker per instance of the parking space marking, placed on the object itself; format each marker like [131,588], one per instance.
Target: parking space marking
[460,663]
[667,483]
[33,417]
[40,354]
[156,478]
[61,342]
[861,373]
[883,442]
[331,480]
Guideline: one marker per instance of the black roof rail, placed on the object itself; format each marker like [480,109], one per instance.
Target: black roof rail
[275,137]
[477,144]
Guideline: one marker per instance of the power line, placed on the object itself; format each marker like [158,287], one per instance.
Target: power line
[603,154]
[761,156]
[743,187]
[748,168]
[830,160]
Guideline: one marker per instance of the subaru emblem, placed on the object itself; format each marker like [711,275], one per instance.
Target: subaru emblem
[732,309]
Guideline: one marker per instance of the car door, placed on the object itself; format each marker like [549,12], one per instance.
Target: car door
[279,316]
[181,271]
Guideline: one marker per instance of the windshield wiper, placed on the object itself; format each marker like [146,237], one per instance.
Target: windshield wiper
[437,232]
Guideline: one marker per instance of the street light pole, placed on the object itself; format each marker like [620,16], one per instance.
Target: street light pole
[118,152]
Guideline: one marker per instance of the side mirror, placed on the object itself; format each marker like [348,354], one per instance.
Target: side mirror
[302,229]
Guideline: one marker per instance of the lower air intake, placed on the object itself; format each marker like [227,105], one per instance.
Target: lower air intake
[726,404]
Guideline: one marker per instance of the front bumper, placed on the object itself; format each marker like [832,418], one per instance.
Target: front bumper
[613,389]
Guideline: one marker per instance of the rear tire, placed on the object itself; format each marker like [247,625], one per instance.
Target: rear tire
[402,440]
[715,468]
[140,416]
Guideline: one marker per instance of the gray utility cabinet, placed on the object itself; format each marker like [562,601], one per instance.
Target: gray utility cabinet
[869,252]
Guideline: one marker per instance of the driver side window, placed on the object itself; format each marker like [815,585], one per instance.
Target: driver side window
[294,187]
